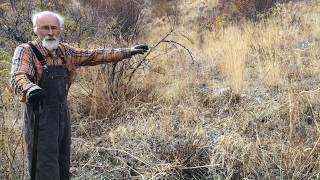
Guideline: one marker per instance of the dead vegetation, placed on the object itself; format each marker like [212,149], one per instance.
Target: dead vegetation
[233,101]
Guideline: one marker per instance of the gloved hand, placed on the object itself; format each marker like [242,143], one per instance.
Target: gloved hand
[36,95]
[139,49]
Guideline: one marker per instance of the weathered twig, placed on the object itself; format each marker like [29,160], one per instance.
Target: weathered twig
[163,40]
[310,91]
[198,167]
[148,53]
[123,151]
[174,42]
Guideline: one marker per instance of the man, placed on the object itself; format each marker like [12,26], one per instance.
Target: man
[42,72]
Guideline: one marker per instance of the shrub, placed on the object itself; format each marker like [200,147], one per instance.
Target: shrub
[235,10]
[167,8]
[5,65]
[122,17]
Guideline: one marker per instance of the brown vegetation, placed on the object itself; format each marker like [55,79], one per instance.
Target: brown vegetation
[222,100]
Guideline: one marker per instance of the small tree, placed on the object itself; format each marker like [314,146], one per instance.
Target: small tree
[16,25]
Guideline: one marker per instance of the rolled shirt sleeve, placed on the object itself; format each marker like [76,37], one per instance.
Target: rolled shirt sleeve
[22,71]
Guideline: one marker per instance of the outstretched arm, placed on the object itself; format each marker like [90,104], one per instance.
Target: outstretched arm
[86,57]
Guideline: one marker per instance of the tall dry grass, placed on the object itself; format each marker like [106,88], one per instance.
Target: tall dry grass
[11,139]
[231,52]
[246,107]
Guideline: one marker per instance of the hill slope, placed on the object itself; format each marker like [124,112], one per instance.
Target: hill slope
[216,98]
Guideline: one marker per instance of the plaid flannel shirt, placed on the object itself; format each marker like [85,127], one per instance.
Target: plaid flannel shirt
[24,62]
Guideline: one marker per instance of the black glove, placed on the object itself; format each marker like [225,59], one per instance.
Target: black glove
[139,49]
[36,96]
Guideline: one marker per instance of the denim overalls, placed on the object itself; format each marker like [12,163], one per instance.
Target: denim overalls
[54,135]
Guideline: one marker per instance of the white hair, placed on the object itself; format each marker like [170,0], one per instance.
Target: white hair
[35,16]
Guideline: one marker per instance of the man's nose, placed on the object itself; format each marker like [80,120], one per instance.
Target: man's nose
[50,32]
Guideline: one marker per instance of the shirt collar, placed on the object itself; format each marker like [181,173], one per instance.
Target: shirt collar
[43,50]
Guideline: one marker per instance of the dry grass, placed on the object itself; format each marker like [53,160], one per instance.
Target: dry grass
[230,52]
[246,107]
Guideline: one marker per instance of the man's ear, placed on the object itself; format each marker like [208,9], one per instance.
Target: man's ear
[35,29]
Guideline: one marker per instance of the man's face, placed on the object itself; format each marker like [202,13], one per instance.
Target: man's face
[48,30]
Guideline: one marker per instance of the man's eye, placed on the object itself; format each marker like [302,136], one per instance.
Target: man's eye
[45,27]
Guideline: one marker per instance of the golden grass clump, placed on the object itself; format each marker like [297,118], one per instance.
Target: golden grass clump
[230,52]
[238,102]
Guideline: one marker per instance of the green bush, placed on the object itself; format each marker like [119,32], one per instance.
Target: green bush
[5,56]
[5,64]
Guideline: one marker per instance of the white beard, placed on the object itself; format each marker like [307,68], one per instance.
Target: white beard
[50,43]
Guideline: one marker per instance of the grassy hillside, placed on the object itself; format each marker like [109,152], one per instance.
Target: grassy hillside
[215,99]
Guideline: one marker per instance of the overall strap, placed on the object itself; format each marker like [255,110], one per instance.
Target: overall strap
[35,116]
[39,56]
[60,54]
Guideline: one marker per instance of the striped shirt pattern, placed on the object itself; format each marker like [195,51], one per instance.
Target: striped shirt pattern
[24,63]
